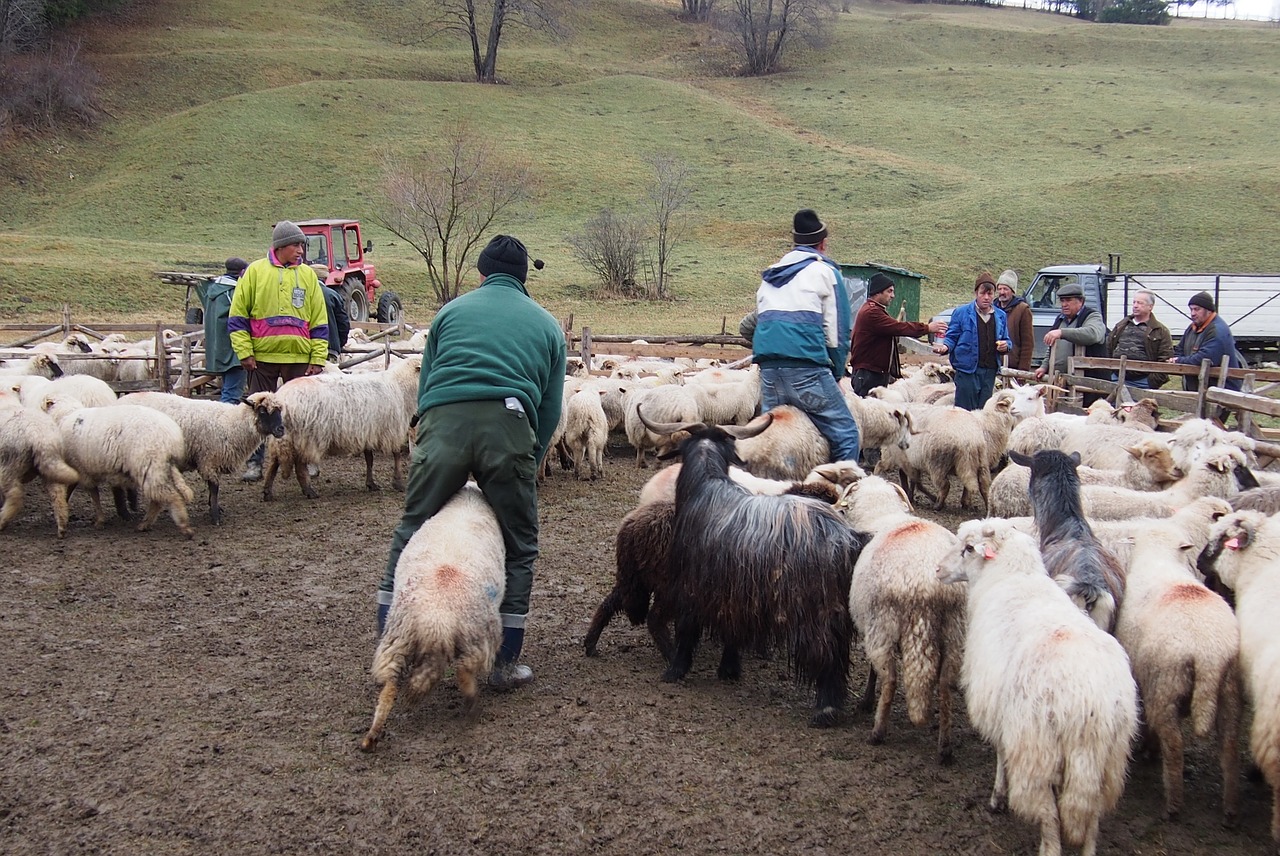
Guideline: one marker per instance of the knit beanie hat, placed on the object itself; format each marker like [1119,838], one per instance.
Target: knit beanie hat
[504,254]
[1009,278]
[879,282]
[1204,300]
[807,229]
[984,278]
[236,265]
[286,233]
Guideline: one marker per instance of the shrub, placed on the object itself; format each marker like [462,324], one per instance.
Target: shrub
[47,90]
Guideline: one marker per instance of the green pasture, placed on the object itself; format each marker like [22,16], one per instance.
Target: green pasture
[939,138]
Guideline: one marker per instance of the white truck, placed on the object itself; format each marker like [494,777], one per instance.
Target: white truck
[1248,302]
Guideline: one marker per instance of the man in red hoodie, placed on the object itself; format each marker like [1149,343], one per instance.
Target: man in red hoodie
[875,337]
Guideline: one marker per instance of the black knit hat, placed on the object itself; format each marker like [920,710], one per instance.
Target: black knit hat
[880,282]
[1204,300]
[808,230]
[504,254]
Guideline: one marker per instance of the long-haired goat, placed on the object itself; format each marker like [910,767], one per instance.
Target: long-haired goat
[1073,556]
[754,570]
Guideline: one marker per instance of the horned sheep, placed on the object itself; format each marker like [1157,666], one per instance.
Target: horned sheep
[1049,689]
[444,613]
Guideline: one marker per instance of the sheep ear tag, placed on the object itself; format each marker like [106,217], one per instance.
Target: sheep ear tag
[1232,543]
[987,552]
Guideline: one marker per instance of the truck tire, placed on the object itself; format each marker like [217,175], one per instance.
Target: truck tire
[390,309]
[357,300]
[195,315]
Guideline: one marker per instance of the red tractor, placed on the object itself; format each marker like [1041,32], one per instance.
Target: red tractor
[336,244]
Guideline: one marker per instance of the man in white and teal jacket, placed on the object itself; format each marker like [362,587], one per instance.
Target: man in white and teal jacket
[488,400]
[803,335]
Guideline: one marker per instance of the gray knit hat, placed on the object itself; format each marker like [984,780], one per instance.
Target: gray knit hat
[285,233]
[1204,300]
[1009,278]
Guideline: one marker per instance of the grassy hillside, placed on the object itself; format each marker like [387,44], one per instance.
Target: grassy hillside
[943,139]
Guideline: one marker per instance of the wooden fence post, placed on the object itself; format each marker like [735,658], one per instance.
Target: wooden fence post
[1201,403]
[586,347]
[1243,417]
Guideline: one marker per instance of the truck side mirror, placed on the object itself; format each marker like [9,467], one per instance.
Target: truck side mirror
[368,246]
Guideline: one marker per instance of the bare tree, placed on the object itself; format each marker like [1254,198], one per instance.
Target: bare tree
[668,194]
[698,10]
[22,26]
[482,23]
[610,246]
[441,203]
[764,28]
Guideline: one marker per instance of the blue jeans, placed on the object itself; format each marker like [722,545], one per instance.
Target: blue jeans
[814,391]
[973,390]
[1144,383]
[233,380]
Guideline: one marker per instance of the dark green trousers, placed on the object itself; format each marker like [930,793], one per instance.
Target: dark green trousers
[495,445]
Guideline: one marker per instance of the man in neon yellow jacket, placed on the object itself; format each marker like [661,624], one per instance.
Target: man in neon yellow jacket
[278,322]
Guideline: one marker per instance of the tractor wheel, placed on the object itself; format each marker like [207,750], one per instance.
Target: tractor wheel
[195,315]
[357,300]
[390,309]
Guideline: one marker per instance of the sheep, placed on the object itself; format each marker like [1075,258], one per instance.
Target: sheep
[88,390]
[1044,685]
[822,481]
[217,437]
[586,432]
[902,610]
[1151,468]
[1103,446]
[1087,571]
[665,403]
[1184,646]
[950,440]
[39,365]
[643,550]
[1265,498]
[758,569]
[789,450]
[449,582]
[1214,475]
[1192,522]
[1243,551]
[125,446]
[31,445]
[880,423]
[345,414]
[727,403]
[1035,433]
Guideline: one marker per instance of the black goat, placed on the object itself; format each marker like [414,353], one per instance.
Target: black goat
[758,571]
[1073,556]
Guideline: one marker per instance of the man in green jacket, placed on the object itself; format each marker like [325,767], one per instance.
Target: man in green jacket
[279,325]
[219,357]
[488,400]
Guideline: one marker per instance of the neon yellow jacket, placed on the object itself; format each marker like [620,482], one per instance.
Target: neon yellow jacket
[278,314]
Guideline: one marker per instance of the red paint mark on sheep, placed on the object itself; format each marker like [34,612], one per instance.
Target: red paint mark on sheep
[906,531]
[448,575]
[1186,593]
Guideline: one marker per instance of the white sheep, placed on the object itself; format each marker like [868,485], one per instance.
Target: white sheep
[125,446]
[42,365]
[345,414]
[1050,690]
[88,390]
[728,403]
[880,423]
[449,582]
[217,437]
[788,449]
[665,403]
[1184,646]
[1244,550]
[1214,475]
[586,432]
[1103,446]
[31,445]
[901,609]
[949,441]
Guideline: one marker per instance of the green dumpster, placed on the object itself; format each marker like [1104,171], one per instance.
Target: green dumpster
[906,286]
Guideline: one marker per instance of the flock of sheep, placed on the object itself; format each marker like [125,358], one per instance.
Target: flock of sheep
[1089,599]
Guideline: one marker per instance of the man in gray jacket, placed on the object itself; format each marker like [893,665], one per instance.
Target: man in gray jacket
[1076,324]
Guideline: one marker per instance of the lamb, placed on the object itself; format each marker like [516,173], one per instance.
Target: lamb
[449,582]
[125,446]
[1243,551]
[902,610]
[1049,689]
[1088,572]
[665,403]
[586,432]
[217,437]
[345,414]
[1184,645]
[31,445]
[950,440]
[758,569]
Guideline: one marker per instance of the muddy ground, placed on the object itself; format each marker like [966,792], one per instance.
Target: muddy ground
[169,696]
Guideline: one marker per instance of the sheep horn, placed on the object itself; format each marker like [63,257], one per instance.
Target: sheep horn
[666,427]
[746,432]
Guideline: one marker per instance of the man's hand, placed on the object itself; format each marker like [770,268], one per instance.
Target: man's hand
[938,328]
[940,348]
[1052,336]
[1002,345]
[249,364]
[312,369]
[1040,373]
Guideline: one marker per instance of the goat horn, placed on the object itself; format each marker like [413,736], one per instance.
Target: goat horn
[902,493]
[746,432]
[665,427]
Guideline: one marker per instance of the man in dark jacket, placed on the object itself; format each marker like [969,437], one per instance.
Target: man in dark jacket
[336,307]
[219,357]
[1139,336]
[1208,337]
[1018,319]
[488,406]
[875,337]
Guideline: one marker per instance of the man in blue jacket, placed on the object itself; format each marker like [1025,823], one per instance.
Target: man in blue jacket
[803,333]
[1208,337]
[976,338]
